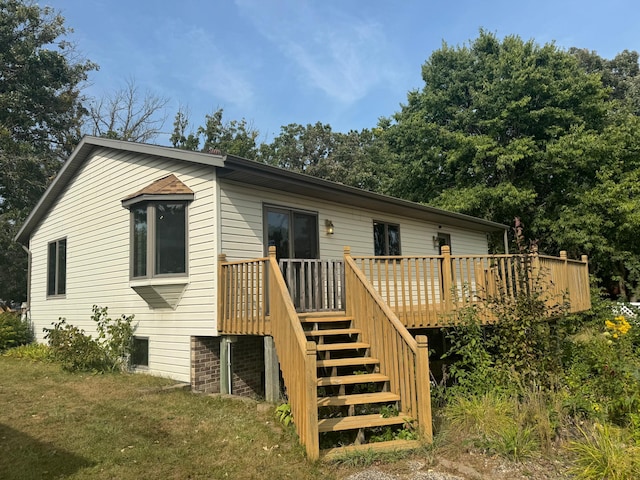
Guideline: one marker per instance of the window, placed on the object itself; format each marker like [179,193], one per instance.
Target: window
[444,239]
[159,239]
[140,353]
[57,267]
[294,233]
[386,239]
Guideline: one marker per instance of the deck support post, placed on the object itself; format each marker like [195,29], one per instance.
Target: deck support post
[225,365]
[271,371]
[423,386]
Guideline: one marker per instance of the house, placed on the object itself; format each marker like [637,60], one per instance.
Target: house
[182,240]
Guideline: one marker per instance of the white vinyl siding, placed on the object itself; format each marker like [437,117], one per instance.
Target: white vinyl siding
[90,215]
[242,226]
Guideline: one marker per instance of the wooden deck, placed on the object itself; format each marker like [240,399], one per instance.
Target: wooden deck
[423,292]
[343,325]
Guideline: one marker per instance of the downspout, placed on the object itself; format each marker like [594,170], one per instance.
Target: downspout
[230,368]
[26,309]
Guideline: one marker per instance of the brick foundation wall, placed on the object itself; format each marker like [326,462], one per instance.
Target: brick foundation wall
[205,364]
[247,363]
[248,366]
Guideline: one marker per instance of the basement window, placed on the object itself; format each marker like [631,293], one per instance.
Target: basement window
[140,353]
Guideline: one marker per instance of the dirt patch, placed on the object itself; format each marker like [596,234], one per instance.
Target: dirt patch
[466,466]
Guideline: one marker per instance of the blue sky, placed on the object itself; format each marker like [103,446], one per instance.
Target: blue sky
[345,63]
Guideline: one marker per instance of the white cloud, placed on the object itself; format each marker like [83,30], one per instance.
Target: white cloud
[340,54]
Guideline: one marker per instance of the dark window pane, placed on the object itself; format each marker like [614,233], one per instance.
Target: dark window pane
[61,286]
[379,242]
[51,269]
[444,239]
[140,354]
[393,239]
[171,251]
[139,241]
[278,232]
[305,235]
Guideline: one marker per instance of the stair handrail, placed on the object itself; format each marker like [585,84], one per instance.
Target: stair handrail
[403,359]
[297,357]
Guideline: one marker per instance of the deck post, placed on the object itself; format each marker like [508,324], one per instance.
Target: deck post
[535,267]
[447,278]
[587,303]
[565,276]
[222,293]
[225,365]
[312,442]
[423,387]
[271,371]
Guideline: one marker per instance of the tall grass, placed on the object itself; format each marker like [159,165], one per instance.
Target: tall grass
[605,452]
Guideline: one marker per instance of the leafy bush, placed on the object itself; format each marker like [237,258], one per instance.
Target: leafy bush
[31,351]
[74,349]
[78,351]
[14,331]
[603,373]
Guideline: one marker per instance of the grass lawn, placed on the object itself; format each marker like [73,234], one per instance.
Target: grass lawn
[55,424]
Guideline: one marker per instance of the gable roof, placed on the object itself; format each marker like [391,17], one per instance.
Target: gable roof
[249,172]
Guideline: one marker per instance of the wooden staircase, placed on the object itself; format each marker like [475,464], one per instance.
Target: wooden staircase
[356,409]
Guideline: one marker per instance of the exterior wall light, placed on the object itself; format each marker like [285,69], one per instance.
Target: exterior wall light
[329,225]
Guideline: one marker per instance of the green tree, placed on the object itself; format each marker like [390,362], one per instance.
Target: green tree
[180,138]
[358,159]
[235,137]
[506,128]
[40,117]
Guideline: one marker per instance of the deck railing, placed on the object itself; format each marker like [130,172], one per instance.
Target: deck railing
[315,285]
[242,309]
[297,358]
[403,359]
[422,290]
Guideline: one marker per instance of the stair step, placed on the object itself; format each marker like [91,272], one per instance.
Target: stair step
[327,313]
[358,399]
[390,446]
[324,347]
[334,331]
[352,379]
[327,319]
[358,421]
[346,362]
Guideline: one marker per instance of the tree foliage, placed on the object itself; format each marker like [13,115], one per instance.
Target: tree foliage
[355,158]
[506,128]
[40,116]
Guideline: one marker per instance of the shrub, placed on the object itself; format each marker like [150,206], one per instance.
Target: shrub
[31,351]
[14,331]
[605,451]
[603,373]
[74,349]
[77,350]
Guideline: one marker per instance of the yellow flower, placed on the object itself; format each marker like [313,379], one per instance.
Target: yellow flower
[618,327]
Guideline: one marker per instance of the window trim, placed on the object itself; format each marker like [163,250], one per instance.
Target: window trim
[151,202]
[56,286]
[386,237]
